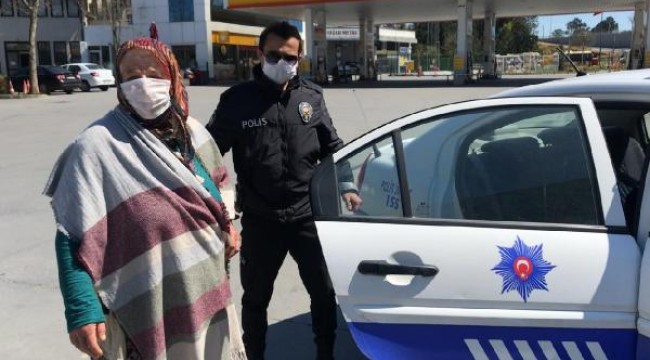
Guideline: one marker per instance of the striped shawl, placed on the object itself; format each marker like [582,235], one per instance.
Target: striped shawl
[149,231]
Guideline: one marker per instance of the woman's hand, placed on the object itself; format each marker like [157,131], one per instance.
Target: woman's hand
[87,337]
[233,242]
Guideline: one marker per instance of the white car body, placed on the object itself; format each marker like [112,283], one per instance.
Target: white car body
[92,75]
[427,269]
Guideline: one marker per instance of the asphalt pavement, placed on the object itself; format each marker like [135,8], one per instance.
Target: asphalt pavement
[34,131]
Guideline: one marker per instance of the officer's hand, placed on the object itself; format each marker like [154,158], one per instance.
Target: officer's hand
[233,242]
[352,201]
[86,338]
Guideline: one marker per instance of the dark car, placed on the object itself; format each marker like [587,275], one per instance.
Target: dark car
[50,78]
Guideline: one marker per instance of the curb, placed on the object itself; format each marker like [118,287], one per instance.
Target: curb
[18,96]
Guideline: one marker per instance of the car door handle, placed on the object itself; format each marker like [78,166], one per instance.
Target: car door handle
[380,267]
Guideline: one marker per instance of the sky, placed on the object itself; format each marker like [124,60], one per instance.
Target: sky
[549,23]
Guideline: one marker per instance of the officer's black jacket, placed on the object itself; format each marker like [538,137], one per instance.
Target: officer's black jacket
[275,149]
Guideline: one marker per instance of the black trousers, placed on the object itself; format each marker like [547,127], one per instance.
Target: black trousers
[265,244]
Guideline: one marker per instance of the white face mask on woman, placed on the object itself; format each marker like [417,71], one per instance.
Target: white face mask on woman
[149,97]
[280,72]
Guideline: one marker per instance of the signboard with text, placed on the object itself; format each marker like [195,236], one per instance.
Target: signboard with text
[343,33]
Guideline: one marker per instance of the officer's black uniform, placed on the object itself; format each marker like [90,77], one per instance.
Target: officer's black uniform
[277,139]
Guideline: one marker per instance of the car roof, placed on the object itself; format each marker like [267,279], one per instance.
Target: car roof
[632,85]
[80,64]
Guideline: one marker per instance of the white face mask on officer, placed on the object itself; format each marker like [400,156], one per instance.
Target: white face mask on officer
[149,97]
[280,72]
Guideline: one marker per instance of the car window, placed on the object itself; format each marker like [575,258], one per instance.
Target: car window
[374,174]
[646,126]
[55,70]
[517,163]
[524,163]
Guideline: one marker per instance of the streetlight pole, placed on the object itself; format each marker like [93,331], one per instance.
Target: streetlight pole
[600,42]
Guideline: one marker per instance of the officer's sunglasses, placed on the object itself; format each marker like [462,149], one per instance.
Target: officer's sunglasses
[272,57]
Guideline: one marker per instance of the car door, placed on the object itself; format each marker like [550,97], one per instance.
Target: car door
[642,234]
[489,229]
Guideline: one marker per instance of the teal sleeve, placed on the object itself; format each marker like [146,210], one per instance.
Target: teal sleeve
[82,306]
[207,180]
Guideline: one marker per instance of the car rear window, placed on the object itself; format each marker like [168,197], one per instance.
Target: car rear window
[55,70]
[93,67]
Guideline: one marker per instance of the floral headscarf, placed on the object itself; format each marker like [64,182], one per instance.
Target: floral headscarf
[172,126]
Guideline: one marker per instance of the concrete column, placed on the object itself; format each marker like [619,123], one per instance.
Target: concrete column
[367,40]
[315,31]
[462,66]
[646,43]
[309,34]
[637,36]
[489,45]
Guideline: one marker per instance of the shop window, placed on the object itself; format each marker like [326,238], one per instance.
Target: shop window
[186,56]
[73,8]
[21,9]
[42,9]
[17,56]
[224,54]
[6,8]
[60,53]
[181,10]
[44,53]
[57,8]
[75,52]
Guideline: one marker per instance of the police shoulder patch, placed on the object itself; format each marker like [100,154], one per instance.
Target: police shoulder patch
[306,111]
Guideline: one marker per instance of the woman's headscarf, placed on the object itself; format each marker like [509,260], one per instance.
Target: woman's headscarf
[176,116]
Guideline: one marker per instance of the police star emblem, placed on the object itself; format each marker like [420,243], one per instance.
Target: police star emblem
[523,268]
[306,111]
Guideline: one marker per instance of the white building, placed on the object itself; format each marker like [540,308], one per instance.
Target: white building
[58,34]
[200,33]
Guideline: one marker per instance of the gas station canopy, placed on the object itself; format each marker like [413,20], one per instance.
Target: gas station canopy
[348,12]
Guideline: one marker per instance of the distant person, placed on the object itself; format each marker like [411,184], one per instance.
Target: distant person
[143,231]
[278,128]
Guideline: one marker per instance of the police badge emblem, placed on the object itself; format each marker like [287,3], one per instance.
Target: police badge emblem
[306,111]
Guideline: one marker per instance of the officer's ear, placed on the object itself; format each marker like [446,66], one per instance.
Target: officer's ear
[260,55]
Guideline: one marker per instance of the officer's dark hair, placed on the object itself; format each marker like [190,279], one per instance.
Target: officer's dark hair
[282,29]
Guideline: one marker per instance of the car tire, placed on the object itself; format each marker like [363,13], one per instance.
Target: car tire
[42,88]
[85,86]
[68,92]
[104,88]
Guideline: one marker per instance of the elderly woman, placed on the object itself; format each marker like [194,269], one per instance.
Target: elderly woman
[144,233]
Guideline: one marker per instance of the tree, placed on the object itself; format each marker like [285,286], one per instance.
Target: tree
[110,12]
[31,7]
[83,16]
[557,33]
[516,35]
[607,25]
[576,25]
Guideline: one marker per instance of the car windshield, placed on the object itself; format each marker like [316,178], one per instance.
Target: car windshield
[93,67]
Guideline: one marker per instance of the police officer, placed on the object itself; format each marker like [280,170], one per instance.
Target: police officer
[278,128]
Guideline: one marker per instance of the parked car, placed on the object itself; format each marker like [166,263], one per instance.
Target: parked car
[50,78]
[509,227]
[92,75]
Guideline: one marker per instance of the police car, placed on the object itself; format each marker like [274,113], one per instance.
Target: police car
[503,228]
